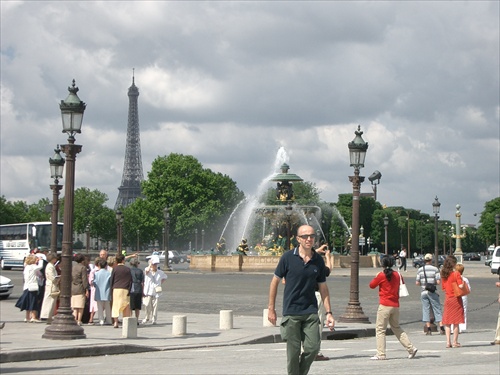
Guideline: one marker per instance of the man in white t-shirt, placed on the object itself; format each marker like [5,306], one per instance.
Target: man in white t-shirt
[402,257]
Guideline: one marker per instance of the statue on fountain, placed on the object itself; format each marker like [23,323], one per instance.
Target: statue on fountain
[221,246]
[243,247]
[284,191]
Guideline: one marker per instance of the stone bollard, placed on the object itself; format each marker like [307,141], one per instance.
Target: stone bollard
[226,319]
[265,321]
[179,323]
[129,328]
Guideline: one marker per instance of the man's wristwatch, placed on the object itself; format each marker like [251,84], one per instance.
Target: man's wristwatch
[329,312]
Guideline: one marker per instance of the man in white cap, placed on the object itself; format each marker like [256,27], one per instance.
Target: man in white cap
[153,280]
[428,277]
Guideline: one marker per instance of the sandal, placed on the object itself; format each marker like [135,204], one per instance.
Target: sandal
[448,346]
[457,345]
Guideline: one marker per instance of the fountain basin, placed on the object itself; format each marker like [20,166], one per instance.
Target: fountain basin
[242,263]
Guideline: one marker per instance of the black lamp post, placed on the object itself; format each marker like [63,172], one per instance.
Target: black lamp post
[56,172]
[386,223]
[166,217]
[357,151]
[497,222]
[64,326]
[119,222]
[138,240]
[435,210]
[87,239]
[202,239]
[196,239]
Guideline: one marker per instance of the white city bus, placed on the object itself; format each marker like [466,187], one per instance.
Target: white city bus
[17,240]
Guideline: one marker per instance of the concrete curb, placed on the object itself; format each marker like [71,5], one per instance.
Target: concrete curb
[23,355]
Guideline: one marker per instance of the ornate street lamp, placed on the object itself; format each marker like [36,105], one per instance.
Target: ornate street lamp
[119,236]
[386,223]
[497,222]
[138,238]
[166,217]
[357,152]
[362,239]
[458,236]
[64,326]
[87,239]
[375,180]
[196,239]
[202,239]
[435,210]
[56,172]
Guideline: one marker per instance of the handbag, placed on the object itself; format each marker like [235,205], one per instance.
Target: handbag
[158,289]
[460,292]
[54,293]
[33,287]
[429,286]
[403,290]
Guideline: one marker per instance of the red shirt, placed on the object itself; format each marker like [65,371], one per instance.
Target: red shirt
[388,291]
[447,283]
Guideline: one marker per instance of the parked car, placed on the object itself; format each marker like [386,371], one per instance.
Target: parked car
[472,256]
[418,261]
[6,287]
[173,256]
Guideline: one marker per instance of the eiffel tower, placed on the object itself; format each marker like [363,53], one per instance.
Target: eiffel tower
[130,188]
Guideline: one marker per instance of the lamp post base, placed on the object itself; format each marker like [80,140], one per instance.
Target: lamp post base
[64,327]
[353,314]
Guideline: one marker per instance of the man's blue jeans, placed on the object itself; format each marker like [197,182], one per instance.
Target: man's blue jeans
[431,300]
[300,331]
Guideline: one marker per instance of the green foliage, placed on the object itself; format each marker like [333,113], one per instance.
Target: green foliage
[90,209]
[487,230]
[142,221]
[12,212]
[197,198]
[305,193]
[21,212]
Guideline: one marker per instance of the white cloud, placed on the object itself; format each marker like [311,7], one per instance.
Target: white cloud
[232,82]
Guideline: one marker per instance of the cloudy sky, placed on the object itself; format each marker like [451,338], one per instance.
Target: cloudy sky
[232,82]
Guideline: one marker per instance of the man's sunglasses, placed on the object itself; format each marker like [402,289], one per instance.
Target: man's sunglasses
[306,236]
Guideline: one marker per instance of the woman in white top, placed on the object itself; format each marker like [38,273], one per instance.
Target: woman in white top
[153,280]
[51,289]
[29,299]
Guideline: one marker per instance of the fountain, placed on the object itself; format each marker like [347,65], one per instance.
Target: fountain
[267,228]
[263,225]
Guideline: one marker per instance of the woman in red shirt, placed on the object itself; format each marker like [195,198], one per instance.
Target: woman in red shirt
[453,306]
[388,309]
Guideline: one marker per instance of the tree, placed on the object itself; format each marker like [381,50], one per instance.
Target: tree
[21,212]
[90,209]
[39,211]
[12,212]
[197,198]
[487,231]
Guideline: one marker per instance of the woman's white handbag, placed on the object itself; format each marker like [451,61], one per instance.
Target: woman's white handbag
[403,290]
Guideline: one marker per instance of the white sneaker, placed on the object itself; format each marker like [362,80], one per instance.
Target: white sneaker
[144,321]
[101,322]
[412,353]
[378,357]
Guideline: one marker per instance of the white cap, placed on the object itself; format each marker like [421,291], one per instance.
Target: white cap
[155,259]
[41,256]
